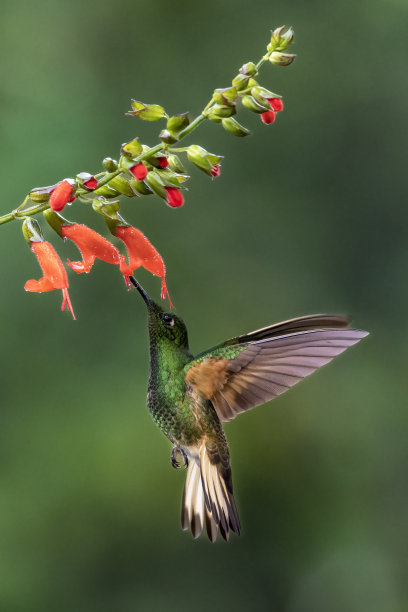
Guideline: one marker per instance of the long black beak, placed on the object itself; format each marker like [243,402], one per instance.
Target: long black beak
[140,290]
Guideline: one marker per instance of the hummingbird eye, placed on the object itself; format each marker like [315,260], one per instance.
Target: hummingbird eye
[167,319]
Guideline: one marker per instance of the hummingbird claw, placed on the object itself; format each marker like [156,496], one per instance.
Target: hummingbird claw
[176,450]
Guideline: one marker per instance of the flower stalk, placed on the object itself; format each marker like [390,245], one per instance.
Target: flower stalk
[142,170]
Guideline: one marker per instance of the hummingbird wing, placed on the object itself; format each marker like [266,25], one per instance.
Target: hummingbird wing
[316,321]
[238,377]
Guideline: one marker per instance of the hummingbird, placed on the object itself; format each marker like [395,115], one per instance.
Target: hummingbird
[191,397]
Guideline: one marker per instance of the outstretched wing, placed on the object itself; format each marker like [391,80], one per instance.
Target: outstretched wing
[239,377]
[316,321]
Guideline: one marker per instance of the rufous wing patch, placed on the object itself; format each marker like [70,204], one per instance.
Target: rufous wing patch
[209,376]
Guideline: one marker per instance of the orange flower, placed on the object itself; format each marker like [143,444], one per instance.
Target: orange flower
[141,254]
[91,245]
[55,276]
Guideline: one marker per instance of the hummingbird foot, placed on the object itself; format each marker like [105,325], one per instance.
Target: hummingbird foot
[176,450]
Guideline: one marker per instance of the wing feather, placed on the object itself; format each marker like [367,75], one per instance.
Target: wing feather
[269,366]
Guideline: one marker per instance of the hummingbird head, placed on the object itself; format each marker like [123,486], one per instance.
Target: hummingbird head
[163,325]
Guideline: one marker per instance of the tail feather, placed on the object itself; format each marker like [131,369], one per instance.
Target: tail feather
[208,498]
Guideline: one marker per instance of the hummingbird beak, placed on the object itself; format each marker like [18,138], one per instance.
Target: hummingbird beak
[140,290]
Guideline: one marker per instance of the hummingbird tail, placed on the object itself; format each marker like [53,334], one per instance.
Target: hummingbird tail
[208,497]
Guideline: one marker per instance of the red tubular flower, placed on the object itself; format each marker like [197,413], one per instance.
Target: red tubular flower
[141,253]
[216,170]
[163,161]
[55,276]
[139,171]
[174,197]
[91,183]
[276,104]
[268,117]
[92,245]
[61,195]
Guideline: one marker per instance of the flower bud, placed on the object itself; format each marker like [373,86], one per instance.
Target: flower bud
[110,164]
[279,40]
[249,69]
[41,194]
[106,192]
[139,171]
[240,82]
[254,106]
[148,112]
[155,183]
[84,179]
[140,187]
[225,96]
[121,185]
[177,123]
[174,198]
[62,194]
[201,158]
[219,111]
[281,59]
[175,164]
[168,137]
[262,95]
[268,117]
[235,128]
[168,177]
[32,230]
[132,148]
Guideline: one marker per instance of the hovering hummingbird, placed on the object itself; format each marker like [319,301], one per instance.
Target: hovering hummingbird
[190,397]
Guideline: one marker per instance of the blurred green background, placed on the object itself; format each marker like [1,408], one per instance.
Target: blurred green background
[307,216]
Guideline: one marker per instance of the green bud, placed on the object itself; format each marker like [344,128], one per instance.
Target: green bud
[219,111]
[202,158]
[41,194]
[168,137]
[155,183]
[170,178]
[175,163]
[110,164]
[106,192]
[32,230]
[132,148]
[254,106]
[279,40]
[240,82]
[121,185]
[139,187]
[55,220]
[225,96]
[178,122]
[248,69]
[231,125]
[262,95]
[148,112]
[281,59]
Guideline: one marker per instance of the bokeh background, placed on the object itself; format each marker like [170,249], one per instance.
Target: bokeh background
[307,216]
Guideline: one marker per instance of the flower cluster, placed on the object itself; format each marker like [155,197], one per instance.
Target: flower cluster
[91,245]
[141,170]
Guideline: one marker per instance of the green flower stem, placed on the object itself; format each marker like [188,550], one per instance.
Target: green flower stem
[20,212]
